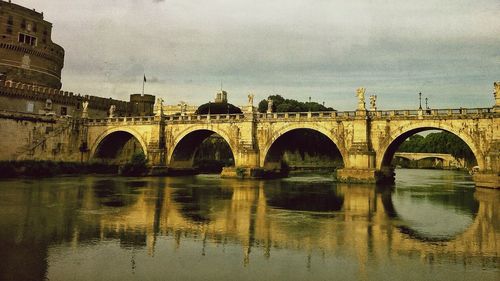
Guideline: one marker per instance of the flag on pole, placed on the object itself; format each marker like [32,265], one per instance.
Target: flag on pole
[144,77]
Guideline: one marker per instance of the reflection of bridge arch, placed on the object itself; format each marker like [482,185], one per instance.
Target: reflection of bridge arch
[391,210]
[285,129]
[110,133]
[389,148]
[248,217]
[182,150]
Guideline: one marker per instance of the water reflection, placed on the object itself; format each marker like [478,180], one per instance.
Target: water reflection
[59,226]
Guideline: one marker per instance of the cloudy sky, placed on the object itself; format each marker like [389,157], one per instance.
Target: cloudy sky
[324,49]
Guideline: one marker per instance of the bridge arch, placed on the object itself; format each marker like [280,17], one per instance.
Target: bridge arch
[182,150]
[386,152]
[117,138]
[293,127]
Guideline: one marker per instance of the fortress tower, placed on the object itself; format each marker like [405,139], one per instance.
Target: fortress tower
[27,53]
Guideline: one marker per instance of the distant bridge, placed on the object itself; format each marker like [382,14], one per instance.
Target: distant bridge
[447,160]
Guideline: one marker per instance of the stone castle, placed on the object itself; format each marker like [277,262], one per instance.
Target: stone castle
[30,71]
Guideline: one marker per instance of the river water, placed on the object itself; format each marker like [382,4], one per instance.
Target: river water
[431,225]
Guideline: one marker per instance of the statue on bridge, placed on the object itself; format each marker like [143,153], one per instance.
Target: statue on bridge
[112,110]
[85,105]
[158,107]
[269,106]
[250,99]
[360,93]
[373,101]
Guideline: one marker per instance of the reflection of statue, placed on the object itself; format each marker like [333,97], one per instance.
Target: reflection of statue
[250,99]
[360,93]
[373,101]
[112,109]
[85,105]
[269,106]
[497,93]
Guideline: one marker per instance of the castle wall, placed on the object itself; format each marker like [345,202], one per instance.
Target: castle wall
[34,137]
[19,97]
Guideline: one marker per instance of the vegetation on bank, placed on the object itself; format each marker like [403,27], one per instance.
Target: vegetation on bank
[33,168]
[40,169]
[280,104]
[136,167]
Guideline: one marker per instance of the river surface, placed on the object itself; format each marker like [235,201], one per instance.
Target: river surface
[431,225]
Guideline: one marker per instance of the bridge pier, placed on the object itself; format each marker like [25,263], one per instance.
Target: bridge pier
[490,176]
[360,164]
[487,179]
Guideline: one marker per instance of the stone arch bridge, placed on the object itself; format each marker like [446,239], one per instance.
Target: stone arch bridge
[366,140]
[446,160]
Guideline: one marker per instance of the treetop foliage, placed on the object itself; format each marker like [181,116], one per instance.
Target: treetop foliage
[218,108]
[281,104]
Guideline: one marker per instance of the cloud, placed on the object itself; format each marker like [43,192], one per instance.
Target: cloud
[448,49]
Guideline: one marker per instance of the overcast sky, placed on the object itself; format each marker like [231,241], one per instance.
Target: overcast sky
[324,49]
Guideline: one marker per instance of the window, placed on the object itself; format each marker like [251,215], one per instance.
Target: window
[10,20]
[9,29]
[30,106]
[26,39]
[64,110]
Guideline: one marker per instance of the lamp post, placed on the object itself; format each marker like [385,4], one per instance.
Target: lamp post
[420,101]
[426,106]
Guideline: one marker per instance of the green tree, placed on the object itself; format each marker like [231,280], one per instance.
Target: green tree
[136,167]
[281,104]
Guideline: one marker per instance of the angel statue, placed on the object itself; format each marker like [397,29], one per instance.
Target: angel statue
[360,93]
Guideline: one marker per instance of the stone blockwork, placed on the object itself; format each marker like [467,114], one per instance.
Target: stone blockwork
[35,137]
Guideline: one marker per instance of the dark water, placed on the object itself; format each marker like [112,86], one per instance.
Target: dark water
[433,225]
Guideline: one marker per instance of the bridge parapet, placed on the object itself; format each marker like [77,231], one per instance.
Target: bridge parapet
[195,118]
[121,120]
[301,116]
[433,113]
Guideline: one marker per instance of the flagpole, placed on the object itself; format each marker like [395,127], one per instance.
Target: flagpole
[143,83]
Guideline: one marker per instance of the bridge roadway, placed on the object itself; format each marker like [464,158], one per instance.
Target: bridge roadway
[366,140]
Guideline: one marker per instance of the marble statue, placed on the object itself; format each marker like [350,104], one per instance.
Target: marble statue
[360,93]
